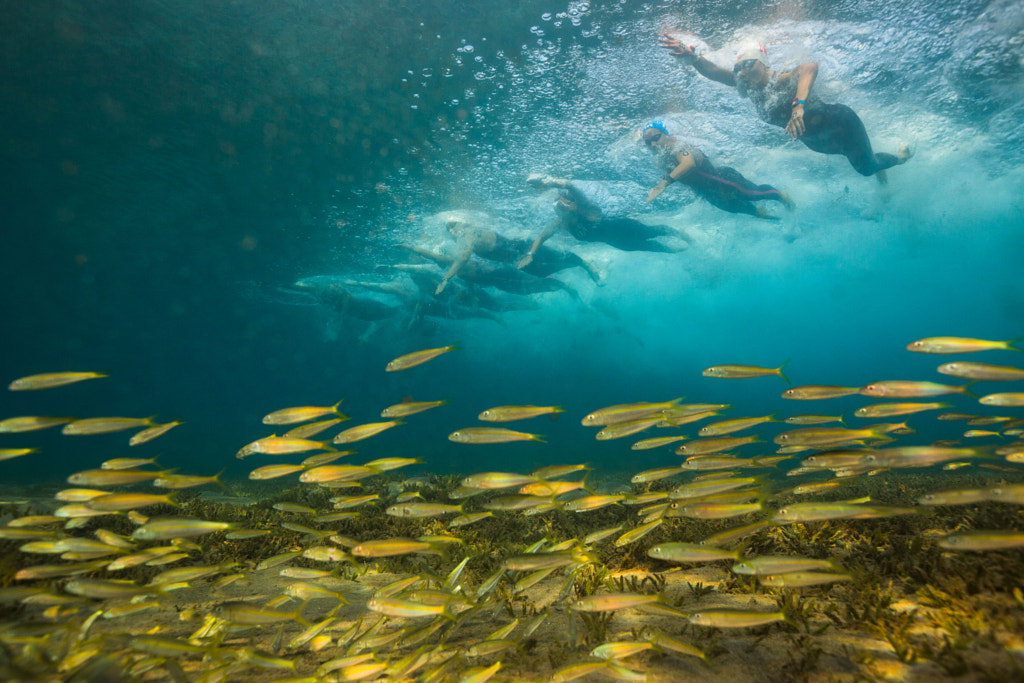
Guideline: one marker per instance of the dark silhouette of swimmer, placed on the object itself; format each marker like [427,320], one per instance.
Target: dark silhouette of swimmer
[501,277]
[491,245]
[582,218]
[332,292]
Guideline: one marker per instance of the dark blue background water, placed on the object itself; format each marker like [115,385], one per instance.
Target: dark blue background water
[167,170]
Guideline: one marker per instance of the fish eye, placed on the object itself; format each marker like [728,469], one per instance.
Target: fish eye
[783,511]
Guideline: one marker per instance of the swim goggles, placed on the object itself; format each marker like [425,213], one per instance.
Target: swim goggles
[745,65]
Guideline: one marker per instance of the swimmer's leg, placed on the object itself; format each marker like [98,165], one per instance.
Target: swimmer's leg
[592,270]
[542,181]
[838,130]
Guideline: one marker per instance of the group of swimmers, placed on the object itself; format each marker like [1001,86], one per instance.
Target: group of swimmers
[486,258]
[781,98]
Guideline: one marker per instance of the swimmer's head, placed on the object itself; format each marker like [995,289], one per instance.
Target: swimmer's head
[751,68]
[654,132]
[455,226]
[755,51]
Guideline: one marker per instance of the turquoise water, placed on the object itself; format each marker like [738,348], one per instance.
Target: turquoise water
[170,173]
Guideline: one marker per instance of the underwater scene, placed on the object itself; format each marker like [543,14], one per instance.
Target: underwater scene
[536,341]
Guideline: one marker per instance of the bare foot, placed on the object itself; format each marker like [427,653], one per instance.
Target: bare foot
[787,201]
[904,154]
[765,213]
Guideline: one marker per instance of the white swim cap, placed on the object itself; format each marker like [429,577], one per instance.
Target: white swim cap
[753,51]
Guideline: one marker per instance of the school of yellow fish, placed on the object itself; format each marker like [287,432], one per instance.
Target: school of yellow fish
[409,629]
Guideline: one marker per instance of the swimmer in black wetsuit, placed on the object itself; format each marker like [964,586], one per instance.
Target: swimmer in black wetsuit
[494,246]
[581,216]
[723,187]
[784,99]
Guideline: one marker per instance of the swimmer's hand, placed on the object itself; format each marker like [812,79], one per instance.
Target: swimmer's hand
[677,48]
[656,190]
[525,261]
[795,127]
[440,287]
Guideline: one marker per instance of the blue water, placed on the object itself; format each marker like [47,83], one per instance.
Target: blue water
[169,172]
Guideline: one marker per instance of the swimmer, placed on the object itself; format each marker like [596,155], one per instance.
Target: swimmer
[723,187]
[494,246]
[784,99]
[578,214]
[503,277]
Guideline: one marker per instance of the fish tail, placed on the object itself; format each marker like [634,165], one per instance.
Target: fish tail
[586,488]
[335,407]
[298,615]
[841,420]
[967,392]
[1011,345]
[216,479]
[536,437]
[779,371]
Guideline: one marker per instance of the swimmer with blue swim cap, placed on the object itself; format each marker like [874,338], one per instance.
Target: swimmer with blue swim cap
[784,99]
[723,187]
[656,125]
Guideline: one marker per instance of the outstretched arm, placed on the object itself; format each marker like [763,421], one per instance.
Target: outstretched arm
[684,166]
[704,67]
[460,262]
[548,232]
[805,75]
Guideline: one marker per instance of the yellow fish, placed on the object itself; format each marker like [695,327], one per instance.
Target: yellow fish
[411,360]
[729,426]
[365,431]
[312,429]
[105,425]
[9,453]
[153,432]
[279,445]
[50,380]
[490,435]
[288,416]
[959,345]
[892,409]
[982,371]
[411,408]
[817,392]
[510,413]
[14,425]
[911,389]
[744,371]
[626,412]
[1004,400]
